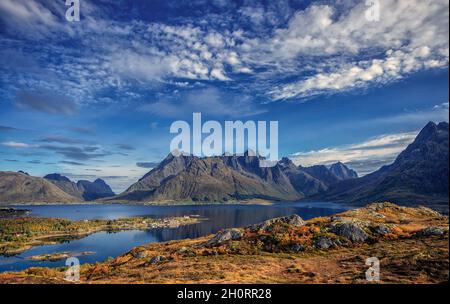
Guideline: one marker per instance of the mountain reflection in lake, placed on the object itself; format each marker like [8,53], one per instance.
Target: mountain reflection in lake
[106,245]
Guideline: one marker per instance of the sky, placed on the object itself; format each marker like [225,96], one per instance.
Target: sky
[96,98]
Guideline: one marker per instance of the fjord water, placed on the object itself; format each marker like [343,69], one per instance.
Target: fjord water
[104,244]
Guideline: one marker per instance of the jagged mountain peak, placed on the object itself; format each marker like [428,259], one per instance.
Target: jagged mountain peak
[342,171]
[83,189]
[57,177]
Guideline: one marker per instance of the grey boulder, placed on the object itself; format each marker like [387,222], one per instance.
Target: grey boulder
[351,232]
[224,236]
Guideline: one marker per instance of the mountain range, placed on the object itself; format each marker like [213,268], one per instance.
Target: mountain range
[20,187]
[83,189]
[419,175]
[230,178]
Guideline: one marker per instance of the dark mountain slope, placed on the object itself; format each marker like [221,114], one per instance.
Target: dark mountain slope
[224,178]
[94,190]
[65,184]
[419,175]
[83,189]
[342,171]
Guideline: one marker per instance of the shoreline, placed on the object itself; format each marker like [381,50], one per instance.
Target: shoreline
[284,250]
[254,201]
[25,233]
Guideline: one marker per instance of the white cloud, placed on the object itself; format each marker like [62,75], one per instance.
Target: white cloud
[442,106]
[380,150]
[16,145]
[270,50]
[347,76]
[29,15]
[411,35]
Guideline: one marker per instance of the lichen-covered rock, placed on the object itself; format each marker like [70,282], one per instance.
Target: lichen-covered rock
[382,229]
[297,247]
[350,231]
[157,259]
[224,236]
[292,220]
[141,254]
[324,243]
[429,231]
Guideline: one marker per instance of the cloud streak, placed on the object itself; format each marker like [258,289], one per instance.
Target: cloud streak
[17,145]
[147,165]
[364,157]
[45,101]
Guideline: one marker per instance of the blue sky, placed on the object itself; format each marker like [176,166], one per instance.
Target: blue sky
[96,98]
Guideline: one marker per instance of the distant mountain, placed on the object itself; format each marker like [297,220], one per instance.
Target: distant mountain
[330,175]
[342,171]
[224,178]
[419,175]
[220,179]
[21,188]
[94,190]
[321,173]
[83,189]
[302,181]
[65,184]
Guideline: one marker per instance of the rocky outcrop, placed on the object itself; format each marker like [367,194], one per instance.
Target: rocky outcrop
[224,236]
[292,220]
[350,231]
[374,223]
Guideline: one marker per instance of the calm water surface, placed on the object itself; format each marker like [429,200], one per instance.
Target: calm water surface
[105,244]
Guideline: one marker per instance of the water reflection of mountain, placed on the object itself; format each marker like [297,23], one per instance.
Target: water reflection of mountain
[220,218]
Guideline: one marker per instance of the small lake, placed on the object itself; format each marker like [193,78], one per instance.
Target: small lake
[105,245]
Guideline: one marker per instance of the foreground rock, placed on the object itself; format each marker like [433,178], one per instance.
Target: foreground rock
[351,232]
[411,244]
[224,236]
